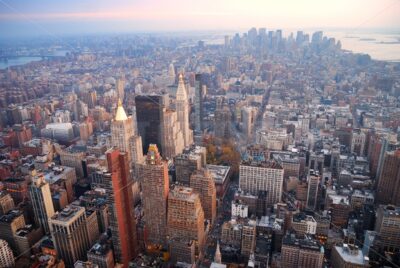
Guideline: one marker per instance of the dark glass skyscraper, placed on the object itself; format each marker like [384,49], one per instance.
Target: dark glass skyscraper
[149,114]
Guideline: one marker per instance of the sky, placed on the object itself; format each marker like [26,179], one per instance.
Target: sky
[41,17]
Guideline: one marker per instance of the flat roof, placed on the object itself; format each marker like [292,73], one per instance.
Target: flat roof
[219,173]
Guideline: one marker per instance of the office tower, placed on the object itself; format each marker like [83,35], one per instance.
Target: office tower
[122,223]
[42,202]
[70,234]
[26,237]
[198,104]
[348,256]
[190,160]
[172,142]
[155,187]
[202,183]
[75,160]
[171,73]
[185,222]
[96,201]
[248,121]
[257,176]
[123,133]
[17,188]
[9,224]
[121,87]
[149,114]
[388,189]
[101,254]
[303,224]
[222,121]
[358,140]
[317,37]
[301,253]
[6,255]
[136,148]
[248,238]
[217,255]
[312,191]
[387,227]
[6,202]
[182,109]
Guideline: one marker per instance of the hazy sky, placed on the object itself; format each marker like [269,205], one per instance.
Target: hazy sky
[18,17]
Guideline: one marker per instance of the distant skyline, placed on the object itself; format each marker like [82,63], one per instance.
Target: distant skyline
[26,17]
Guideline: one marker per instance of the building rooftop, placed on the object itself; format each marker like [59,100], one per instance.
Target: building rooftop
[219,173]
[307,242]
[67,214]
[10,216]
[351,254]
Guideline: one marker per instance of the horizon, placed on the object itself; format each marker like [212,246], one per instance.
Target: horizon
[45,17]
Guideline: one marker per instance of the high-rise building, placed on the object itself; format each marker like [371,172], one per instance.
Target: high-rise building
[182,109]
[222,121]
[388,189]
[312,191]
[185,222]
[387,227]
[149,114]
[358,141]
[101,254]
[301,253]
[348,256]
[172,142]
[6,255]
[121,87]
[6,202]
[190,160]
[70,234]
[9,224]
[123,134]
[248,238]
[117,183]
[198,104]
[202,183]
[257,176]
[42,201]
[155,187]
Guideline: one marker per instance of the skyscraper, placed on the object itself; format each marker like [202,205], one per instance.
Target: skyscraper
[387,227]
[257,176]
[6,255]
[149,114]
[301,253]
[312,192]
[42,202]
[117,184]
[70,234]
[388,190]
[172,142]
[123,134]
[155,187]
[182,109]
[198,104]
[185,222]
[202,183]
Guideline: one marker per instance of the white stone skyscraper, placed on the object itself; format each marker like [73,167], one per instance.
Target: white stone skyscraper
[42,202]
[182,109]
[123,134]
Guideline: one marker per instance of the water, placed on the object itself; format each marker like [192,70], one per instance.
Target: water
[17,61]
[380,46]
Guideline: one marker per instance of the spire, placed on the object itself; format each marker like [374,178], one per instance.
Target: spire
[217,256]
[120,115]
[181,91]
